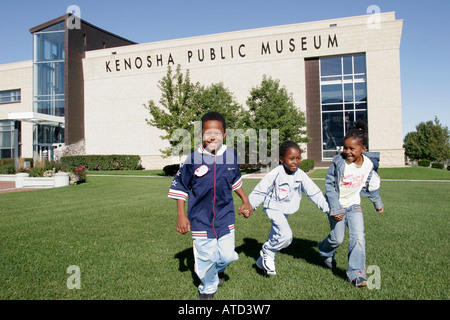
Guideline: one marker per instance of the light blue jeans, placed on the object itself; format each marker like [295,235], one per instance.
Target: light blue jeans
[354,220]
[212,256]
[280,235]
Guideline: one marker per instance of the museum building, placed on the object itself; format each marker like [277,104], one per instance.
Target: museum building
[87,87]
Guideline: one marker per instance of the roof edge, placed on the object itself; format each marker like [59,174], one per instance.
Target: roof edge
[64,18]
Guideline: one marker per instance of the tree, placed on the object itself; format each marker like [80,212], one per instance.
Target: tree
[218,98]
[178,107]
[272,107]
[430,141]
[182,105]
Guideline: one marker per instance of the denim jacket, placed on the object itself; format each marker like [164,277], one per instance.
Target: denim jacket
[334,176]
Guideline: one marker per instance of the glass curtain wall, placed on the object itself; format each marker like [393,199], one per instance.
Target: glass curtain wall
[343,94]
[48,85]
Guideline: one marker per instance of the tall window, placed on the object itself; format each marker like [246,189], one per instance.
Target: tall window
[9,133]
[49,58]
[48,86]
[343,95]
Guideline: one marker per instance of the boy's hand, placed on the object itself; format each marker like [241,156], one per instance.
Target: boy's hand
[183,225]
[380,210]
[246,209]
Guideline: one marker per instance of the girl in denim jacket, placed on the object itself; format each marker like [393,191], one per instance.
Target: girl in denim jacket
[352,173]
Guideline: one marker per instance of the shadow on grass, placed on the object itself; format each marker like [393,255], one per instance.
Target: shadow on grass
[186,263]
[299,249]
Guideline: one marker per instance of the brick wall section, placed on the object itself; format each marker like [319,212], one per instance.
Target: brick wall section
[88,37]
[312,86]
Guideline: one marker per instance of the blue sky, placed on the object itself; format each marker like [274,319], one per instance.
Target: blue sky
[424,49]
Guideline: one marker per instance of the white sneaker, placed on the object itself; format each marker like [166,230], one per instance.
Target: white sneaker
[266,263]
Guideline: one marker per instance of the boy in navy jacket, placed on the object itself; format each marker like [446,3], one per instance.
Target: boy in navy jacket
[208,177]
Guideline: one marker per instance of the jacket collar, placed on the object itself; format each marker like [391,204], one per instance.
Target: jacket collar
[284,177]
[219,152]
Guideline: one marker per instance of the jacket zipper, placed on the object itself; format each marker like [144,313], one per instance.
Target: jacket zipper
[214,199]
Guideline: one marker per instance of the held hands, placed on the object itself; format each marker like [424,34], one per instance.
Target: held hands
[246,209]
[339,217]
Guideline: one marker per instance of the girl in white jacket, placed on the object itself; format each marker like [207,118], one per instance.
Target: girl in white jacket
[280,192]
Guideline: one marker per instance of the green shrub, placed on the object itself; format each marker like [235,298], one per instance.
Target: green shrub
[437,165]
[171,169]
[103,162]
[7,166]
[424,163]
[307,165]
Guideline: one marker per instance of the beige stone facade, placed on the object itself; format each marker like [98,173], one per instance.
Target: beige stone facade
[119,81]
[19,75]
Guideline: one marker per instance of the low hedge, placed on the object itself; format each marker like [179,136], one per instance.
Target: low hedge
[103,162]
[424,163]
[7,166]
[307,165]
[172,169]
[437,165]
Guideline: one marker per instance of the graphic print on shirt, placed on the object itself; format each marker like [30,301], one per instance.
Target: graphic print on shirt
[201,171]
[353,181]
[283,193]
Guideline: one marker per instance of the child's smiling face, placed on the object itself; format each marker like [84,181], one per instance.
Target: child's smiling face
[353,150]
[213,134]
[291,160]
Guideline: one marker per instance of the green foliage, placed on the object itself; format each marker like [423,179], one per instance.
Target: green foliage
[103,162]
[437,165]
[218,98]
[271,106]
[7,166]
[424,163]
[307,165]
[430,141]
[171,169]
[183,103]
[177,108]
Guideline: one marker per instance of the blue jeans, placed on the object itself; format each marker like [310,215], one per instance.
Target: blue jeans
[212,256]
[353,219]
[280,236]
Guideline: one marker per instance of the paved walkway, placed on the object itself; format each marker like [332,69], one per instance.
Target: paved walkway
[10,186]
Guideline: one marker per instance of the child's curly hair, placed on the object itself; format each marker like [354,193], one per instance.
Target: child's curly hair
[359,131]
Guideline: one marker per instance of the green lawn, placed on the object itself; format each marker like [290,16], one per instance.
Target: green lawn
[121,233]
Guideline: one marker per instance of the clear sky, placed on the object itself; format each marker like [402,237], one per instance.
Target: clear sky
[424,49]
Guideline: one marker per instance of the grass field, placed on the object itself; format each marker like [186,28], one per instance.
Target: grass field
[120,232]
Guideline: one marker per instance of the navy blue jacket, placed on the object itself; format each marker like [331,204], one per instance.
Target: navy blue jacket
[208,181]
